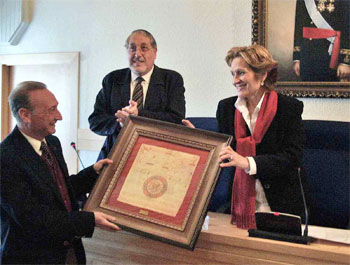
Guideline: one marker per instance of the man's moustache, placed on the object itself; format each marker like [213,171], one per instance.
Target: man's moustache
[138,60]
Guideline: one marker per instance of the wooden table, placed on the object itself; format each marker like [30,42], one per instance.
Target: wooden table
[222,243]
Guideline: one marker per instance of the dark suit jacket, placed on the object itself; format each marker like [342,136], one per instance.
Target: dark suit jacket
[36,228]
[165,100]
[313,53]
[278,155]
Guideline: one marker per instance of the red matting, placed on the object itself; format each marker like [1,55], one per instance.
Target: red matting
[196,178]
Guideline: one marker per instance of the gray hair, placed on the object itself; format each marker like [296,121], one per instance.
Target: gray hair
[144,32]
[19,97]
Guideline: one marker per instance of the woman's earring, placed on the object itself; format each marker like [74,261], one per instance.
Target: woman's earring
[262,83]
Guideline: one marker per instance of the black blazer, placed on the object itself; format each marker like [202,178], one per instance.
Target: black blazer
[278,155]
[165,100]
[36,228]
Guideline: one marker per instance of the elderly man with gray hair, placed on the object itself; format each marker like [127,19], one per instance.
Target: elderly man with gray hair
[40,219]
[141,89]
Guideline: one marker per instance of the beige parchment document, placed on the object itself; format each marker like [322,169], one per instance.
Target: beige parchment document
[158,179]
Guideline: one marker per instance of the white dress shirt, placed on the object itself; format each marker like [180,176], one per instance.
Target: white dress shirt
[145,83]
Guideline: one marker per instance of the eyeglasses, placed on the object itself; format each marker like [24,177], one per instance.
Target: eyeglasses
[134,48]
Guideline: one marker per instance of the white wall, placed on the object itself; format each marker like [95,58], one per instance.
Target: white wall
[193,37]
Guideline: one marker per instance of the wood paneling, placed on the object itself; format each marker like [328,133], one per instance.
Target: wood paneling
[222,243]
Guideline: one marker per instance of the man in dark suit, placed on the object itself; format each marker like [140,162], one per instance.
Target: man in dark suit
[321,40]
[40,220]
[158,95]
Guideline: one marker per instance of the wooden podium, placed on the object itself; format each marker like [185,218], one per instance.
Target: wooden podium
[222,243]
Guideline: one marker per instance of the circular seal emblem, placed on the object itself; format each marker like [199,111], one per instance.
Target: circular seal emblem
[155,186]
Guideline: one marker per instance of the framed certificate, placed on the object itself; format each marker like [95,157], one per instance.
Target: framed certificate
[161,180]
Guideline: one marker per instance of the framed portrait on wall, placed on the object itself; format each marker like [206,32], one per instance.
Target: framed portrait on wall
[310,40]
[161,181]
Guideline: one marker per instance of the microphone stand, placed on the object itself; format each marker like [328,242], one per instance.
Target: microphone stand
[83,197]
[75,149]
[305,206]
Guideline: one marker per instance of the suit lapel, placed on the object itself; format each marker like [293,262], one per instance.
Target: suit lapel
[61,163]
[124,85]
[58,156]
[35,165]
[156,85]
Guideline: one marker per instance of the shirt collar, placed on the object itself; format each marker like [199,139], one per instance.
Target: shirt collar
[146,77]
[36,144]
[241,104]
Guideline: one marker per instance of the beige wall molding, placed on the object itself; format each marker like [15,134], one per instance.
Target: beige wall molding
[60,72]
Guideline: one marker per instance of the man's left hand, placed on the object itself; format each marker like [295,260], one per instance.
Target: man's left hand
[123,114]
[99,164]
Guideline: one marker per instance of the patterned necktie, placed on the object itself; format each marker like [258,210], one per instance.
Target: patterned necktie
[58,175]
[138,93]
[46,154]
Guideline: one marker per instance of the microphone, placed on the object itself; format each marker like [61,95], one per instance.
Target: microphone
[81,199]
[305,206]
[282,226]
[73,145]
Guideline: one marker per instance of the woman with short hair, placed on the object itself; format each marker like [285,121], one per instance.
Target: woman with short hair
[268,138]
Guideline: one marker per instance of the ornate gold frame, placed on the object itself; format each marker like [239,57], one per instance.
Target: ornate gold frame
[297,89]
[183,227]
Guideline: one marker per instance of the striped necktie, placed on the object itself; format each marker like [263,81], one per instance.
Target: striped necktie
[138,93]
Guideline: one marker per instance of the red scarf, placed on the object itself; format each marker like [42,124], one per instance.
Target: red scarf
[243,195]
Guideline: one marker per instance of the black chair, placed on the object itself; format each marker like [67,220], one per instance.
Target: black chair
[221,200]
[326,165]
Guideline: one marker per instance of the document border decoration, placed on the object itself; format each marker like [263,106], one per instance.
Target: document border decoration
[181,228]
